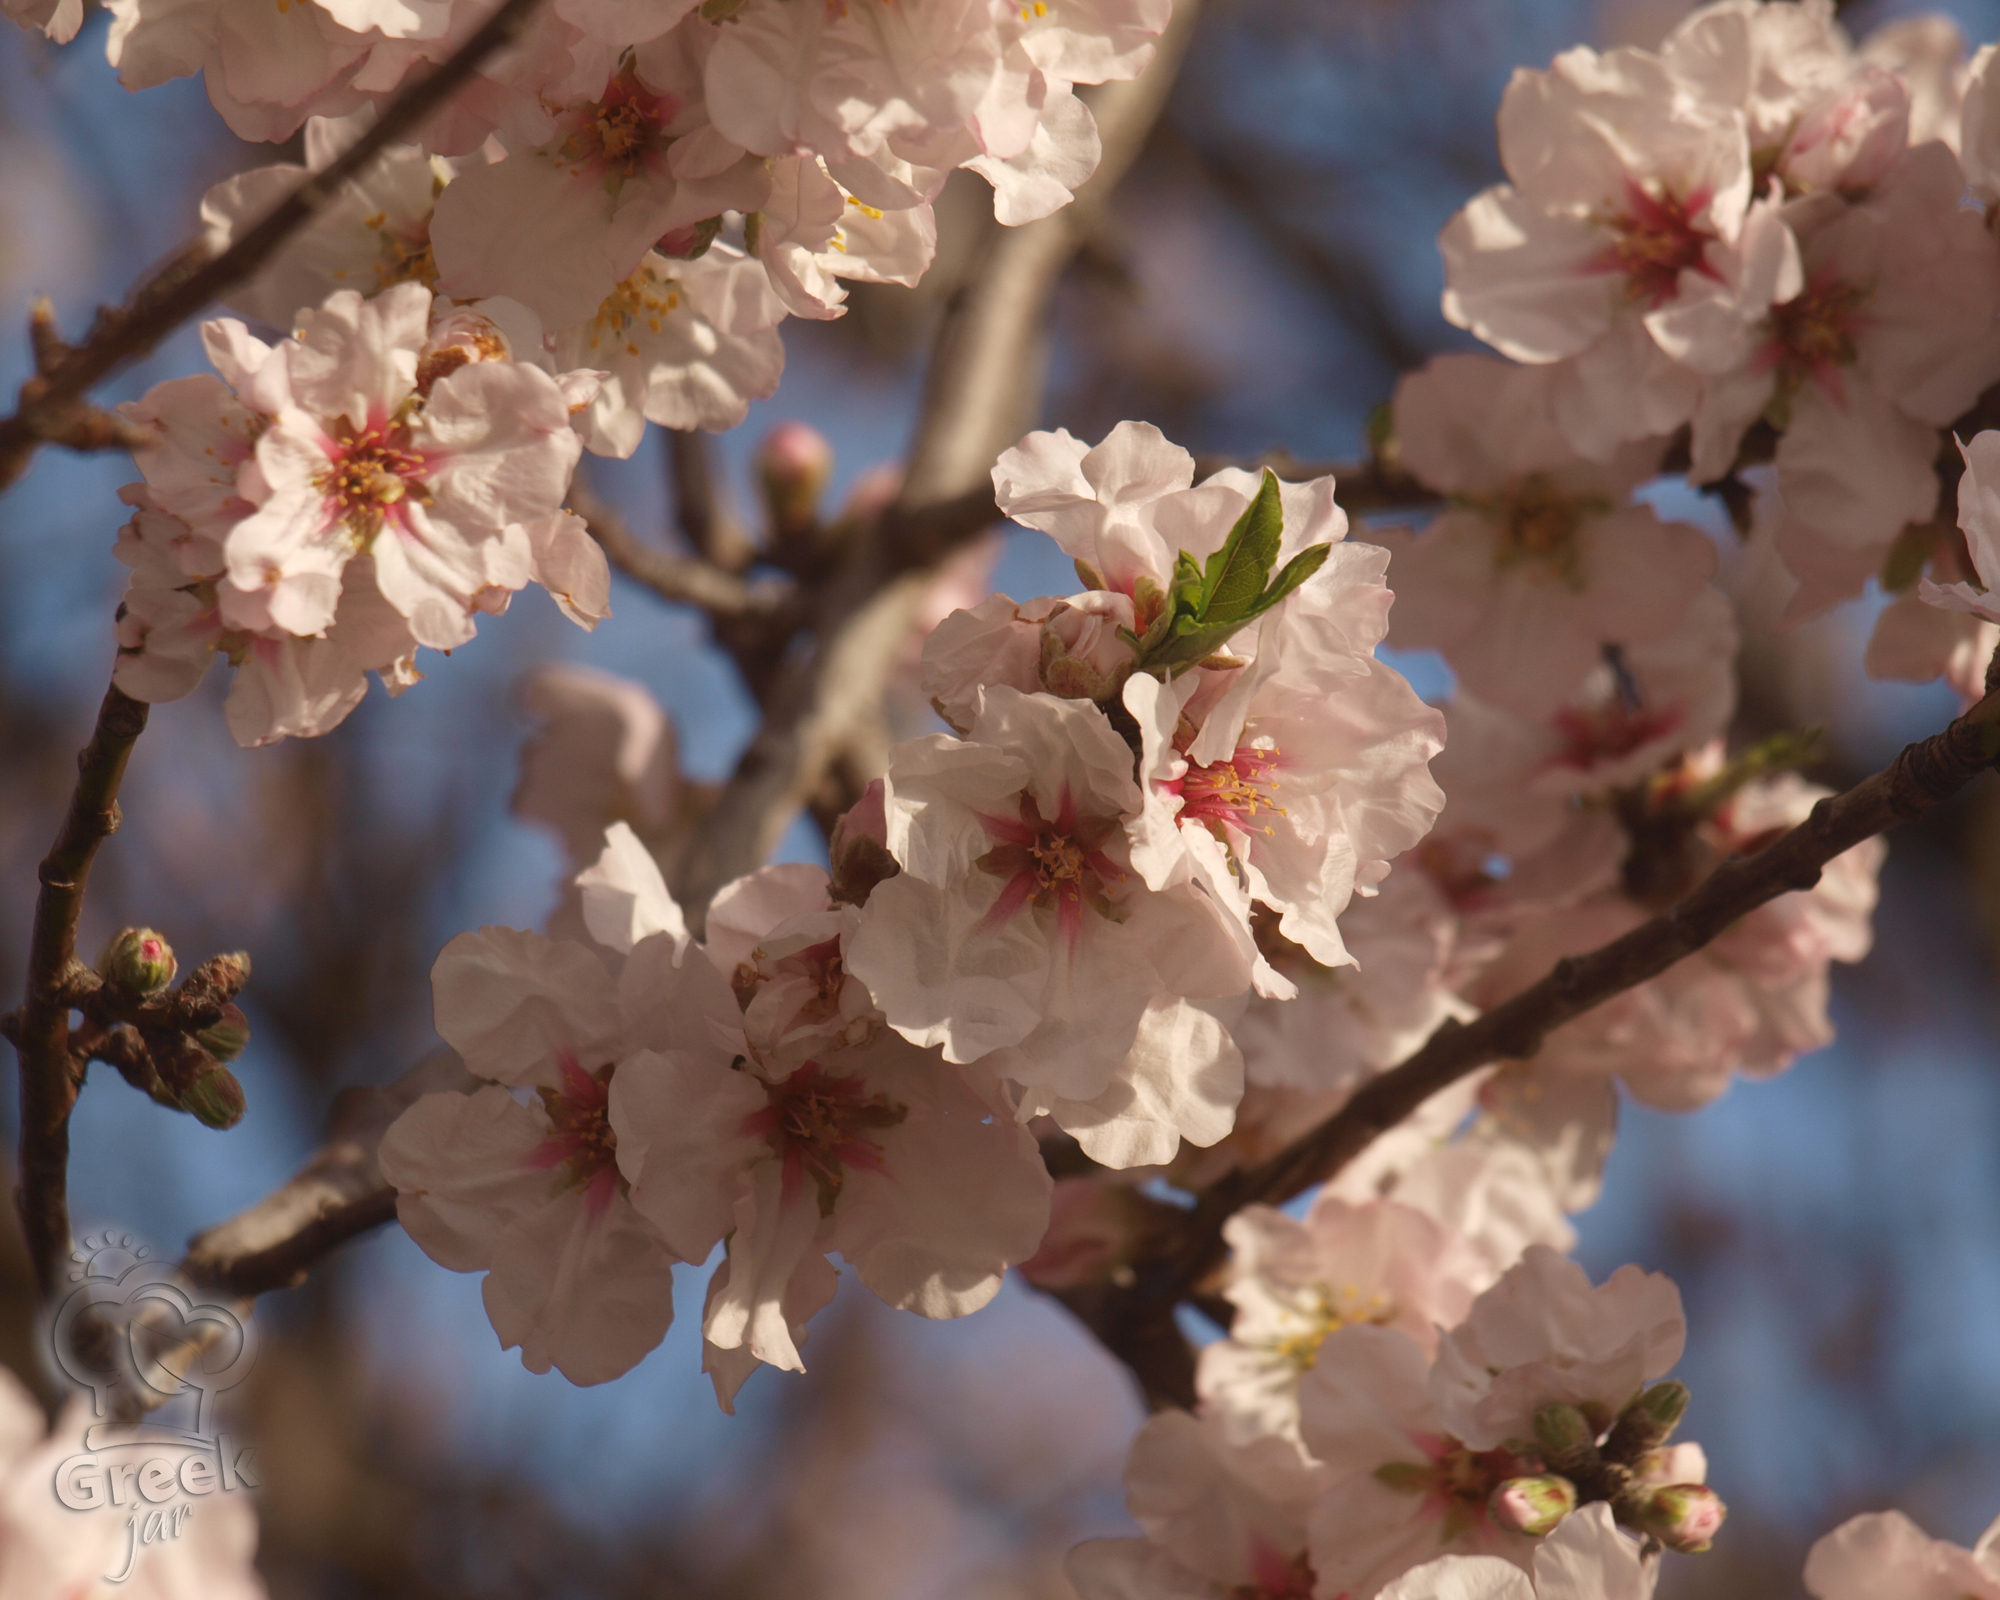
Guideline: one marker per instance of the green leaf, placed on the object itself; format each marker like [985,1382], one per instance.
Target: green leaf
[1235,574]
[1301,567]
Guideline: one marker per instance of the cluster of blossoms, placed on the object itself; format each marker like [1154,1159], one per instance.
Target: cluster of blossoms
[660,184]
[332,502]
[1190,865]
[1759,234]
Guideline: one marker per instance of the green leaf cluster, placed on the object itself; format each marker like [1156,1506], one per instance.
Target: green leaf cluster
[1209,603]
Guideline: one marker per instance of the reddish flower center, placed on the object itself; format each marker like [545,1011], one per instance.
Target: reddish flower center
[1456,1483]
[819,1126]
[1654,240]
[1232,793]
[370,474]
[1592,734]
[614,137]
[1538,525]
[580,1141]
[1812,334]
[1276,1578]
[1057,862]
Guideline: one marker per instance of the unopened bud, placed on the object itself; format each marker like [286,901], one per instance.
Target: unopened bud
[1683,1516]
[1532,1505]
[793,465]
[215,1098]
[1563,1430]
[1647,1422]
[225,975]
[138,959]
[859,850]
[691,242]
[225,1039]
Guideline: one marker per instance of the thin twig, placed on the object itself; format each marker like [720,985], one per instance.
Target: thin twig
[51,401]
[680,580]
[41,1034]
[980,394]
[1134,1322]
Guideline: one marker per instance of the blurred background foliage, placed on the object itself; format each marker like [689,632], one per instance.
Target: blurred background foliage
[1263,277]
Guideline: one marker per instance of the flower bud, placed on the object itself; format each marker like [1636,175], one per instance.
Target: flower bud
[1647,1422]
[1532,1505]
[691,242]
[1563,1430]
[215,1098]
[224,975]
[138,959]
[1683,1516]
[793,465]
[859,850]
[225,1039]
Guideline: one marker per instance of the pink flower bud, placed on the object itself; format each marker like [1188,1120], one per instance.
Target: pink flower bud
[793,464]
[1683,1516]
[138,959]
[1532,1505]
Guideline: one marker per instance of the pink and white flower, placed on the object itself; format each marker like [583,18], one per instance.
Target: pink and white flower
[1585,1558]
[1224,1520]
[1886,1556]
[1979,521]
[1539,559]
[528,1189]
[1544,1335]
[387,428]
[625,157]
[1630,201]
[1294,1282]
[1019,932]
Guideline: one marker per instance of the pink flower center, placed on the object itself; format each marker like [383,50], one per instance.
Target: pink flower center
[580,1140]
[1456,1483]
[1654,240]
[1812,335]
[1232,793]
[819,1126]
[1057,862]
[1592,734]
[615,137]
[1275,1577]
[369,475]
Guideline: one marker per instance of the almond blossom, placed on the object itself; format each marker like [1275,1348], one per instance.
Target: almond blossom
[1399,1489]
[1893,335]
[843,1138]
[1294,1282]
[1629,212]
[1224,1520]
[1886,1556]
[171,627]
[393,428]
[372,235]
[1020,934]
[1543,1334]
[1538,560]
[607,164]
[1585,1558]
[530,1191]
[49,1549]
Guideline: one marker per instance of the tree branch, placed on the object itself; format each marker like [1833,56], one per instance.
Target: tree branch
[679,580]
[40,1034]
[50,406]
[980,395]
[1134,1323]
